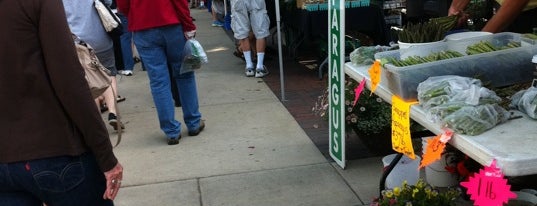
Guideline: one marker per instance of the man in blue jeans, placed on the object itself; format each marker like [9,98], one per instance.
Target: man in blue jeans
[160,32]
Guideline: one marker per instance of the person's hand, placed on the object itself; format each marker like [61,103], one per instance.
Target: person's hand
[462,17]
[113,181]
[190,34]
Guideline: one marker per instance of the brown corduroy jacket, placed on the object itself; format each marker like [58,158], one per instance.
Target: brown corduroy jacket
[46,109]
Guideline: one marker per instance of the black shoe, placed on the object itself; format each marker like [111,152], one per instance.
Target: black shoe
[174,141]
[112,120]
[120,98]
[197,131]
[104,108]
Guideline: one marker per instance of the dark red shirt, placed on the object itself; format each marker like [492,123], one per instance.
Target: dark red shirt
[148,14]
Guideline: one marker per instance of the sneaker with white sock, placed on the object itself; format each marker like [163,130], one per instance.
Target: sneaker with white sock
[261,72]
[249,72]
[217,23]
[126,72]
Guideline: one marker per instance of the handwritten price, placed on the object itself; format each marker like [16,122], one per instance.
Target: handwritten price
[488,189]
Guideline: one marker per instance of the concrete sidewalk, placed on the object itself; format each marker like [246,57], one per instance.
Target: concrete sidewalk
[252,151]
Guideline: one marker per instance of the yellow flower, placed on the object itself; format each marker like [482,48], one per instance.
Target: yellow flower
[415,191]
[421,184]
[396,191]
[434,193]
[405,183]
[389,194]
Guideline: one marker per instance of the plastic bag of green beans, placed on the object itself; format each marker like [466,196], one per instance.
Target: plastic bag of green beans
[193,56]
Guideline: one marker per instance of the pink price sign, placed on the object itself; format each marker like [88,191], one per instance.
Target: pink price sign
[489,187]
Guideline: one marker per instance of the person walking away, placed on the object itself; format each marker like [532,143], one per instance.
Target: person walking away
[160,31]
[259,22]
[126,47]
[54,147]
[217,9]
[85,23]
[123,46]
[194,4]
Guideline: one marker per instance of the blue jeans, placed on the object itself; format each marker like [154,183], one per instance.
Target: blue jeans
[126,44]
[57,181]
[160,47]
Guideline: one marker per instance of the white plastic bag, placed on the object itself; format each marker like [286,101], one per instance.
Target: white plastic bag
[451,86]
[365,55]
[526,101]
[474,120]
[193,56]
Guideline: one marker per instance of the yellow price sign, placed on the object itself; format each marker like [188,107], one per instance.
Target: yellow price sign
[401,140]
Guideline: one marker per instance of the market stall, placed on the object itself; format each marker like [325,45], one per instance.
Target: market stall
[310,22]
[512,143]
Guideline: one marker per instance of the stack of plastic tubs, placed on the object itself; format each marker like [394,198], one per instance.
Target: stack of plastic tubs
[497,68]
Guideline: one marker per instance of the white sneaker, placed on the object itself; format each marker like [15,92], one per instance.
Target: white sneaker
[126,72]
[249,72]
[261,72]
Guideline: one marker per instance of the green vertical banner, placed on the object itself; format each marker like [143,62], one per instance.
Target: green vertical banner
[336,82]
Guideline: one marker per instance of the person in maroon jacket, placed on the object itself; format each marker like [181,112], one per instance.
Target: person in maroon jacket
[160,29]
[54,146]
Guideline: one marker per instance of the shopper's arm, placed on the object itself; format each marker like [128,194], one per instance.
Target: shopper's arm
[181,8]
[457,6]
[507,13]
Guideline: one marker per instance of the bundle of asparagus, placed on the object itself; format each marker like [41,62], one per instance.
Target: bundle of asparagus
[485,46]
[446,22]
[433,30]
[421,32]
[412,60]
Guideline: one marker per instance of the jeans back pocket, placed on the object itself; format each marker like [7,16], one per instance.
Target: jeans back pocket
[60,174]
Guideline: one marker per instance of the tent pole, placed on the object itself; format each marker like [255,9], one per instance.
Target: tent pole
[282,87]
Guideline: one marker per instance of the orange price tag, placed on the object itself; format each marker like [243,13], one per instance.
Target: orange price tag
[433,151]
[374,73]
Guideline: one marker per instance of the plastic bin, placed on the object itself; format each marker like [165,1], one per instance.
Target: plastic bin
[394,19]
[347,4]
[311,7]
[323,7]
[394,4]
[527,41]
[499,39]
[498,68]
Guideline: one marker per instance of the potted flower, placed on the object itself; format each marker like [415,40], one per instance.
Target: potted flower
[420,194]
